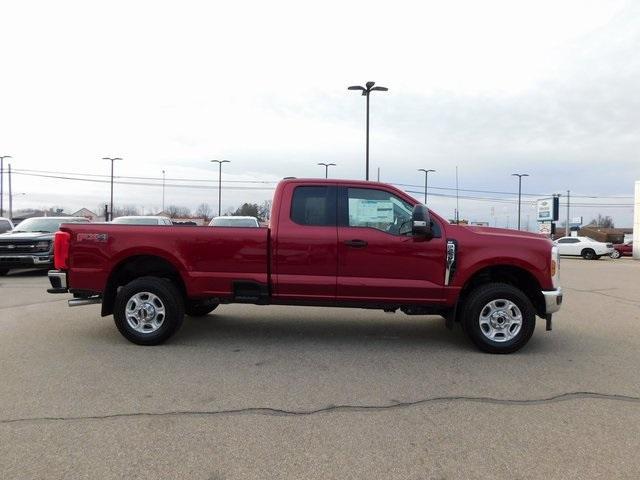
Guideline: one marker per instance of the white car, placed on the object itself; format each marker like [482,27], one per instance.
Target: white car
[584,247]
[231,221]
[143,220]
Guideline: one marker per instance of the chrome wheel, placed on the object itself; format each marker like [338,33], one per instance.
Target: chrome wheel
[500,320]
[145,312]
[615,254]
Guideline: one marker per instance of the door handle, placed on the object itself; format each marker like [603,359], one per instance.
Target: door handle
[356,243]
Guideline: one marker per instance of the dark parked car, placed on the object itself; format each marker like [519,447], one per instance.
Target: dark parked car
[5,225]
[30,244]
[622,250]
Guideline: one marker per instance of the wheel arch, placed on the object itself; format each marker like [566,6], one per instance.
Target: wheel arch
[509,274]
[137,266]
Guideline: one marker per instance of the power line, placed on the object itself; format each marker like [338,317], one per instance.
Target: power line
[244,188]
[271,182]
[95,175]
[143,184]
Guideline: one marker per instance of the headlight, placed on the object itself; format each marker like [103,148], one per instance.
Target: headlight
[42,246]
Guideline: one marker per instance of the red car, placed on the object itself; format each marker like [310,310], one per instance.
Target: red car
[622,250]
[330,243]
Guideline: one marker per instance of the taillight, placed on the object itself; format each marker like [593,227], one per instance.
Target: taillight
[555,267]
[61,250]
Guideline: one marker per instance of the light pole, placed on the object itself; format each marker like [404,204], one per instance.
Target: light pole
[11,195]
[163,191]
[326,168]
[426,181]
[366,90]
[220,162]
[519,175]
[111,159]
[2,183]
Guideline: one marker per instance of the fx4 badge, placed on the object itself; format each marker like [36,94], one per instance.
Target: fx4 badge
[92,237]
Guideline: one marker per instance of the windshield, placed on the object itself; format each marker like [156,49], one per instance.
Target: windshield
[233,222]
[42,224]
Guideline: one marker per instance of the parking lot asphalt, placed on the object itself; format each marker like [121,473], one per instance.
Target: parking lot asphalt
[306,393]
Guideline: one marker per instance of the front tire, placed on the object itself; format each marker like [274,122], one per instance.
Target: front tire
[498,318]
[148,310]
[588,254]
[615,254]
[3,272]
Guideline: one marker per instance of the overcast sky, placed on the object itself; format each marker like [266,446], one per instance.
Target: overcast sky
[549,88]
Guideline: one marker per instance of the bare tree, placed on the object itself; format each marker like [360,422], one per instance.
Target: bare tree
[205,211]
[602,221]
[264,211]
[125,210]
[175,211]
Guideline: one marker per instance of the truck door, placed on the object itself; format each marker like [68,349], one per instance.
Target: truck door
[378,258]
[306,253]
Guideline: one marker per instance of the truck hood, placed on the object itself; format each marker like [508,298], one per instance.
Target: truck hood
[489,232]
[10,236]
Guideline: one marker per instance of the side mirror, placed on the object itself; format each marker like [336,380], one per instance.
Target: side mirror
[421,221]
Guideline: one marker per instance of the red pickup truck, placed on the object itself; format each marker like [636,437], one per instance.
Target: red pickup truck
[331,243]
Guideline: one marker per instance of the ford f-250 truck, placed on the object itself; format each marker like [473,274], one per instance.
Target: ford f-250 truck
[331,243]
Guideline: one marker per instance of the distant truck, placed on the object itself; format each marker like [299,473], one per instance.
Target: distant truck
[30,244]
[234,221]
[331,243]
[142,220]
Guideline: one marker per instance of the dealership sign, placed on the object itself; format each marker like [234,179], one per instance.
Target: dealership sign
[548,209]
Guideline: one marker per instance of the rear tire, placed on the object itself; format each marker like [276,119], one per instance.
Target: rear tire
[498,318]
[148,310]
[3,272]
[588,254]
[615,254]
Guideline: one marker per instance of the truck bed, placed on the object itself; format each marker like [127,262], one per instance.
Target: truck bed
[208,259]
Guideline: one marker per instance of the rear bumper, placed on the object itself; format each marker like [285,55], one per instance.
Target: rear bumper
[26,261]
[58,282]
[552,300]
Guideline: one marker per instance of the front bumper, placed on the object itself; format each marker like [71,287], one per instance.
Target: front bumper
[552,300]
[26,261]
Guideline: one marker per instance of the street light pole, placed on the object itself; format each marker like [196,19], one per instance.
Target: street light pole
[163,191]
[2,183]
[519,175]
[111,159]
[426,181]
[566,231]
[326,168]
[366,90]
[220,162]
[10,196]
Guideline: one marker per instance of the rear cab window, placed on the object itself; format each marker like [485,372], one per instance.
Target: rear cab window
[314,206]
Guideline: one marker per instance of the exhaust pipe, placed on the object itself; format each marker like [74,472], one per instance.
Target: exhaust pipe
[79,302]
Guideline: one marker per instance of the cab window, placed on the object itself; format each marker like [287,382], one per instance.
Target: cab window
[368,207]
[314,206]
